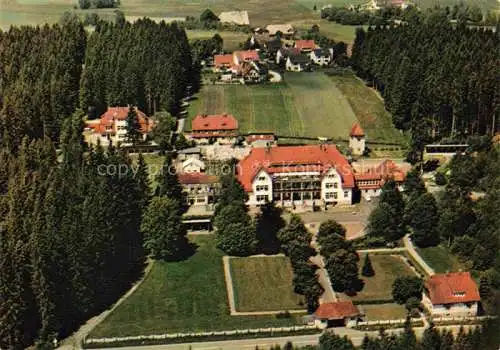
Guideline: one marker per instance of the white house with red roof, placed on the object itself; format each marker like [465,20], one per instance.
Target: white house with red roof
[451,294]
[305,46]
[232,62]
[222,128]
[357,140]
[311,175]
[111,127]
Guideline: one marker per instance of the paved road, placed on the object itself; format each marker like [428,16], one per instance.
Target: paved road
[411,249]
[265,343]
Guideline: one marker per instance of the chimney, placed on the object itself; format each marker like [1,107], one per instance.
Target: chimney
[224,114]
[203,115]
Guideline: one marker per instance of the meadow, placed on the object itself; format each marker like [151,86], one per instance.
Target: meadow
[305,104]
[441,259]
[264,284]
[379,287]
[184,296]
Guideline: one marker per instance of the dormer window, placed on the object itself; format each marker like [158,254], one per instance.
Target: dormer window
[206,124]
[459,294]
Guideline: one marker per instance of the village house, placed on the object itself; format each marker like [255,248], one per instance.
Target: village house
[200,188]
[221,128]
[451,294]
[282,30]
[192,165]
[253,72]
[357,140]
[297,63]
[223,62]
[305,47]
[370,181]
[321,57]
[111,127]
[337,314]
[307,176]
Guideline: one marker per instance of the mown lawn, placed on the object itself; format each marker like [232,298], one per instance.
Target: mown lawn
[440,259]
[382,312]
[369,109]
[264,284]
[182,297]
[387,269]
[306,104]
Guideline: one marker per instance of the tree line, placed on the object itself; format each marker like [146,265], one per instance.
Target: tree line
[144,64]
[437,81]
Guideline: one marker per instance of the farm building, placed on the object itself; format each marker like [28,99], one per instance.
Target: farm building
[236,17]
[451,294]
[297,62]
[284,30]
[321,57]
[307,176]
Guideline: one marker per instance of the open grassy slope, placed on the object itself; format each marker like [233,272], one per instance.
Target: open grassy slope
[264,284]
[306,104]
[180,297]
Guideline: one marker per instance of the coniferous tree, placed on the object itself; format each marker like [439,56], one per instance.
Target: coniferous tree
[164,233]
[169,185]
[268,222]
[367,269]
[133,126]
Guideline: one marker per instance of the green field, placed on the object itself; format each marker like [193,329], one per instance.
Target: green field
[440,259]
[382,312]
[264,284]
[387,269]
[232,40]
[369,109]
[306,104]
[181,297]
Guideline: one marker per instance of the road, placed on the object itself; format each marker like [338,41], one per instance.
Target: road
[265,343]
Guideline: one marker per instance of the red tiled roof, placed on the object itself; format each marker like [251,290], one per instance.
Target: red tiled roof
[449,288]
[385,170]
[214,122]
[249,55]
[305,44]
[223,60]
[294,159]
[356,130]
[197,178]
[120,113]
[337,310]
[202,135]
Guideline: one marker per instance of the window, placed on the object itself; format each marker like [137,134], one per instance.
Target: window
[200,200]
[331,195]
[262,178]
[262,187]
[261,198]
[335,185]
[329,185]
[346,193]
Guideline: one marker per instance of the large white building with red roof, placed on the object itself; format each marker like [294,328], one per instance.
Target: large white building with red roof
[216,127]
[451,294]
[312,175]
[111,127]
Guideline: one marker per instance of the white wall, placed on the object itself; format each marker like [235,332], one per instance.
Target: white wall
[357,145]
[331,177]
[261,180]
[457,309]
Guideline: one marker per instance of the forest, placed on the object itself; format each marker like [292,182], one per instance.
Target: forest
[70,224]
[437,81]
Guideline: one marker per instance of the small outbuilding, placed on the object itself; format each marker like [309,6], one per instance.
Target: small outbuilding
[337,314]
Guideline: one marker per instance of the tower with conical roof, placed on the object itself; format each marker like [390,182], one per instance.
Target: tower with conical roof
[357,140]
